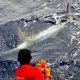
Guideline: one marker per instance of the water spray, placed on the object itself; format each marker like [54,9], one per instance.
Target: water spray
[21,46]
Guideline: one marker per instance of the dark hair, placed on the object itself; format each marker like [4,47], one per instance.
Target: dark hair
[24,56]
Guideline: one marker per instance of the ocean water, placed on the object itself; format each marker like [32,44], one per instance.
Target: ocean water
[61,50]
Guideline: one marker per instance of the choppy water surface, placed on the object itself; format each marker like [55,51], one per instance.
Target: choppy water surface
[60,49]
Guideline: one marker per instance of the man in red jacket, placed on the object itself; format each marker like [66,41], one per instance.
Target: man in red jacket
[25,71]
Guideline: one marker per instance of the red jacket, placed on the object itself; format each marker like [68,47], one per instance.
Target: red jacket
[27,72]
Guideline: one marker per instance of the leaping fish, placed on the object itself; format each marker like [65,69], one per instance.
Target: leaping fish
[29,40]
[40,36]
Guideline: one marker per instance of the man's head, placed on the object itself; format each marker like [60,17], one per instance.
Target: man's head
[24,56]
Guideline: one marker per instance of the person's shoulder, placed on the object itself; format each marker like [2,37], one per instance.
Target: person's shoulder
[28,67]
[17,69]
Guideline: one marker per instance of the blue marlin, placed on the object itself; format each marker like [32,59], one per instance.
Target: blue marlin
[28,41]
[40,36]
